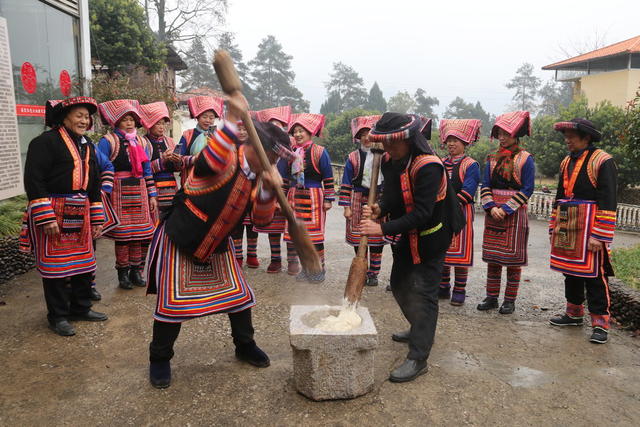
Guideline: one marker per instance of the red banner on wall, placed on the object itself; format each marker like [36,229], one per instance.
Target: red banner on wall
[30,110]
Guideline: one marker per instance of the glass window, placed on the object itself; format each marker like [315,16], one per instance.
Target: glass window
[48,39]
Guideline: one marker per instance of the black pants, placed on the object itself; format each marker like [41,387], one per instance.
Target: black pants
[415,288]
[61,302]
[165,335]
[372,249]
[597,292]
[238,232]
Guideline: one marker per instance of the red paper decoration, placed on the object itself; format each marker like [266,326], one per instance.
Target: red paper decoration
[65,83]
[28,77]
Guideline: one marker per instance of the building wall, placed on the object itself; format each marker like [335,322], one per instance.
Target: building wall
[618,87]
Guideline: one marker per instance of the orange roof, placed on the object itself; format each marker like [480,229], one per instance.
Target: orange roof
[201,91]
[625,47]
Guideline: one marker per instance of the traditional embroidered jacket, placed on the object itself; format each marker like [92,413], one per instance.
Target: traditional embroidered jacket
[464,177]
[191,265]
[214,198]
[355,195]
[163,172]
[414,199]
[131,193]
[62,182]
[585,206]
[505,242]
[318,188]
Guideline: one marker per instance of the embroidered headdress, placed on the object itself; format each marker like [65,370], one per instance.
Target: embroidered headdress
[401,127]
[200,104]
[362,122]
[515,123]
[153,113]
[112,112]
[582,125]
[466,130]
[56,109]
[281,114]
[312,123]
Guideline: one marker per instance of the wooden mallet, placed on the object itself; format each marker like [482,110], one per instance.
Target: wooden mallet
[230,83]
[358,270]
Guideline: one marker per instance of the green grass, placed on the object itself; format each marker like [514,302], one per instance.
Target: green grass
[11,215]
[626,264]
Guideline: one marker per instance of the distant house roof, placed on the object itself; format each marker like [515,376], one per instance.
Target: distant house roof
[201,91]
[174,60]
[621,48]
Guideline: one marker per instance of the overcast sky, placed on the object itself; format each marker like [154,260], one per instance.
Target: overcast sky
[448,47]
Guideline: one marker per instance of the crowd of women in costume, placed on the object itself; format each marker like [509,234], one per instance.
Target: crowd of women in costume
[191,232]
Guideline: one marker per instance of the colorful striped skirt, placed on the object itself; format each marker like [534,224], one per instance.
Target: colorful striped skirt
[460,253]
[167,186]
[570,252]
[277,225]
[307,206]
[352,236]
[71,251]
[187,288]
[131,204]
[505,242]
[111,218]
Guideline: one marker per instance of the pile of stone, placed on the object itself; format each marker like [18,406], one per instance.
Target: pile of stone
[12,261]
[625,304]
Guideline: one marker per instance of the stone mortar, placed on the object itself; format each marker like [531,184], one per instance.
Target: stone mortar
[331,365]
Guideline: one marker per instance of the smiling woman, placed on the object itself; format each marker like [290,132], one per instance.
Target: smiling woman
[65,211]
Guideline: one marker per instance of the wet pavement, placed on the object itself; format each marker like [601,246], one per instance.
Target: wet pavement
[485,368]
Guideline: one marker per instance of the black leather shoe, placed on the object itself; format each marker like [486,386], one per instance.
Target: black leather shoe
[372,281]
[160,374]
[508,307]
[252,354]
[566,320]
[401,336]
[95,295]
[62,327]
[91,316]
[444,292]
[408,371]
[136,277]
[123,278]
[488,303]
[599,335]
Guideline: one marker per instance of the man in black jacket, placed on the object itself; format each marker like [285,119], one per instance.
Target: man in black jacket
[422,216]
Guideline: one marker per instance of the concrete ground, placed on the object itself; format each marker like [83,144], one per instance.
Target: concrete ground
[485,368]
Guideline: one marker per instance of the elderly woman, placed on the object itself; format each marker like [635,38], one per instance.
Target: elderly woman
[62,182]
[134,192]
[507,185]
[464,176]
[354,192]
[191,263]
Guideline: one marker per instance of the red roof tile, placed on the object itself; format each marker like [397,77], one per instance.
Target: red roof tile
[628,46]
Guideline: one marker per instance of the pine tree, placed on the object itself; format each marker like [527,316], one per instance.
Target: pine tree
[273,78]
[200,71]
[332,104]
[376,101]
[526,86]
[227,42]
[349,86]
